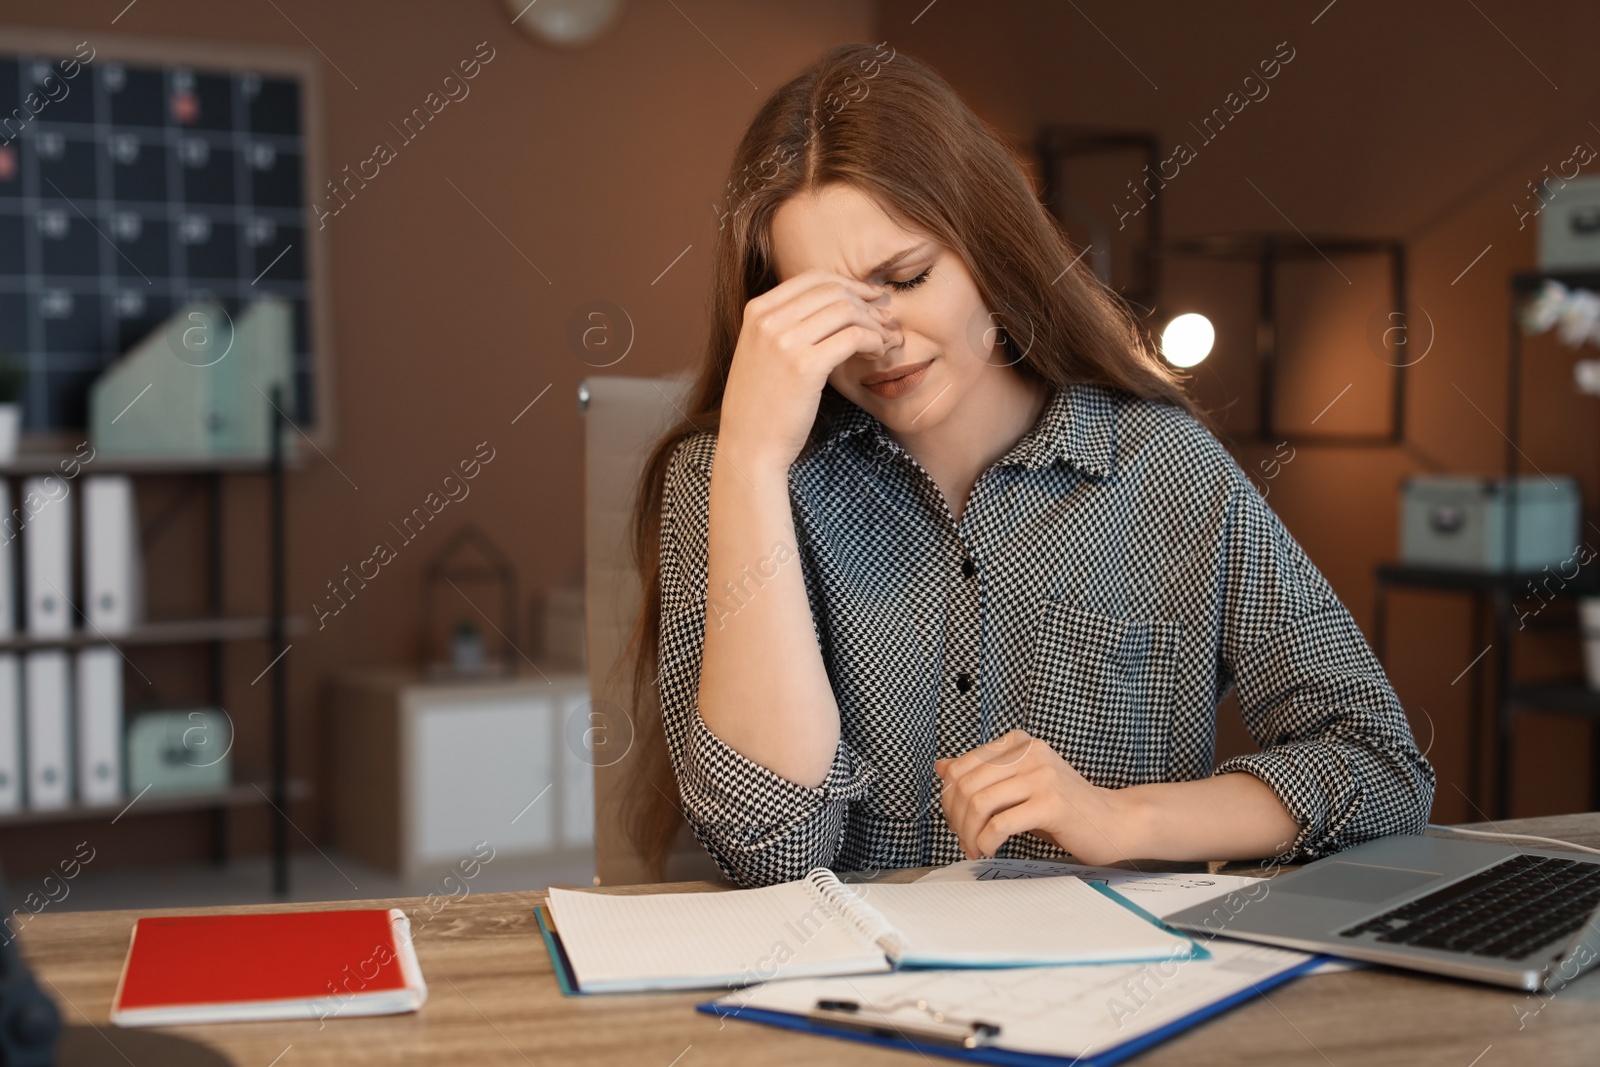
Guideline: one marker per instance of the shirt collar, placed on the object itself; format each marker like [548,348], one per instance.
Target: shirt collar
[1077,426]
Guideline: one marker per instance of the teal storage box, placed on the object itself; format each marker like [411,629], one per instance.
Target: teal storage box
[185,751]
[198,386]
[1462,522]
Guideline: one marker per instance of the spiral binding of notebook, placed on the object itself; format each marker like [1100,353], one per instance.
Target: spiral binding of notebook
[852,907]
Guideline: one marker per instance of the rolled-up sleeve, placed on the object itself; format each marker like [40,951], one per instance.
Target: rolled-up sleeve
[760,827]
[1335,743]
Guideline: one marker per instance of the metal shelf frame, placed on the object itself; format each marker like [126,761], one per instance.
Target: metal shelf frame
[214,631]
[1492,595]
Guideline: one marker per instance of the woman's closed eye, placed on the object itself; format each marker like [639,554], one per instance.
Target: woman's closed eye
[911,283]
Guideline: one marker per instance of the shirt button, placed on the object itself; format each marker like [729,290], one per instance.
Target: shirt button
[964,681]
[969,568]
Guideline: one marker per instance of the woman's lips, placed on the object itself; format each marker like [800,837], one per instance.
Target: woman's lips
[906,379]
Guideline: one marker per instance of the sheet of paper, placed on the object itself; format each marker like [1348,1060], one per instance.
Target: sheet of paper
[1022,921]
[704,940]
[1059,1011]
[1160,893]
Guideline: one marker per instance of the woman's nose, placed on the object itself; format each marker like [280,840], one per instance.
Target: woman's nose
[897,336]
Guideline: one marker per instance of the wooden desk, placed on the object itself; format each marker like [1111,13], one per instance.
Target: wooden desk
[493,1001]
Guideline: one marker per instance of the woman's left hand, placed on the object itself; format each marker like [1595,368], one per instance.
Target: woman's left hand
[1018,784]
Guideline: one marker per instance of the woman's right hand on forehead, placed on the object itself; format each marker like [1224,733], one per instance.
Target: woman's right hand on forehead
[791,339]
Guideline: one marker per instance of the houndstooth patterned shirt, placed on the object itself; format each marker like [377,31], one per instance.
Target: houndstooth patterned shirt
[1111,577]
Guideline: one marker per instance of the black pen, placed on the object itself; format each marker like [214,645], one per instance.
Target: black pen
[846,1015]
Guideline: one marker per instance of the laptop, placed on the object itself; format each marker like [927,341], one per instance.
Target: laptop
[1519,917]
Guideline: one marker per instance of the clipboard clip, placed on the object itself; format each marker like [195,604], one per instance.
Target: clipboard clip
[936,1028]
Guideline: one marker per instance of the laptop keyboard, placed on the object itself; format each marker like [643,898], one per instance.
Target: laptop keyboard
[1509,911]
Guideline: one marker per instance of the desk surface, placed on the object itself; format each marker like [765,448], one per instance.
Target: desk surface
[493,1001]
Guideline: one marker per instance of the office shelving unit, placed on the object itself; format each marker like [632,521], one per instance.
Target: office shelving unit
[213,630]
[1494,594]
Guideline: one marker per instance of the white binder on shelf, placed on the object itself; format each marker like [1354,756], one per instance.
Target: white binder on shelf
[10,680]
[98,696]
[10,733]
[47,555]
[112,567]
[49,745]
[8,552]
[47,564]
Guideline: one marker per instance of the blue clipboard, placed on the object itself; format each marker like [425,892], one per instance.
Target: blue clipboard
[998,1055]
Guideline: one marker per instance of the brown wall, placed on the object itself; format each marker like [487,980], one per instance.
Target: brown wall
[1415,121]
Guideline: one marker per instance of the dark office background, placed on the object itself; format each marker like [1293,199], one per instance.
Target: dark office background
[567,176]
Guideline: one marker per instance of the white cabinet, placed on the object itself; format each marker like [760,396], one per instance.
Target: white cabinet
[423,772]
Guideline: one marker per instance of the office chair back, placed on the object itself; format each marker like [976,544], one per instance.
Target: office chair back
[623,419]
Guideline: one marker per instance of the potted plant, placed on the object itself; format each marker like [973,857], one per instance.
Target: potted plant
[12,379]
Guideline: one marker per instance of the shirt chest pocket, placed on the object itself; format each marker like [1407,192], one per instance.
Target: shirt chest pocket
[1100,692]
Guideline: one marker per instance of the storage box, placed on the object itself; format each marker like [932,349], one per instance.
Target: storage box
[203,402]
[183,751]
[1452,521]
[1569,227]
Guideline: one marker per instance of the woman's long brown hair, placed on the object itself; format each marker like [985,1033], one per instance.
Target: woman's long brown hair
[893,129]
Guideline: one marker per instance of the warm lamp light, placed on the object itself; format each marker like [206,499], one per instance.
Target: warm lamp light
[1187,339]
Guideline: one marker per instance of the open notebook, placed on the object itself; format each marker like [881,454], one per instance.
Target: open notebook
[821,926]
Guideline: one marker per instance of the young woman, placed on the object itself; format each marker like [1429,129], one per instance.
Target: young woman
[942,563]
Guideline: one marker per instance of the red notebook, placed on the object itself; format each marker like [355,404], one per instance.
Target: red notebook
[290,965]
